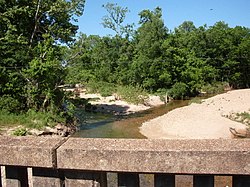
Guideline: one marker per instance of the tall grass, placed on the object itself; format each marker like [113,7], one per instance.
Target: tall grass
[31,119]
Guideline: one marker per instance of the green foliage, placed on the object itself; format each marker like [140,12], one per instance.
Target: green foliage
[69,110]
[8,119]
[135,95]
[103,88]
[150,70]
[115,18]
[33,63]
[38,120]
[131,94]
[215,88]
[9,104]
[244,115]
[20,132]
[179,90]
[185,62]
[31,57]
[31,119]
[162,93]
[43,77]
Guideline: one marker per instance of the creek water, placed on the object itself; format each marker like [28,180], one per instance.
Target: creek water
[96,125]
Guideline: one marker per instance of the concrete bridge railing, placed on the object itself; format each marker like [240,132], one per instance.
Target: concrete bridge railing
[72,162]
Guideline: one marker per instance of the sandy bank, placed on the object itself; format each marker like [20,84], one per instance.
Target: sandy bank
[117,106]
[201,121]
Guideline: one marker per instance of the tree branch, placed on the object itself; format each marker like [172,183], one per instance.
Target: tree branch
[36,21]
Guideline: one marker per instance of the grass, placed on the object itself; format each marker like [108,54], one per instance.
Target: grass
[29,120]
[244,117]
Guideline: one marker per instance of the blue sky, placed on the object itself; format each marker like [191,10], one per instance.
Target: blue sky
[175,12]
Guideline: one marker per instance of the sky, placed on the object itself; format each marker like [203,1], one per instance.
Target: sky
[175,12]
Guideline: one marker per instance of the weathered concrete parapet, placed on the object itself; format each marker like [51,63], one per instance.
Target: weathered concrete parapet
[29,151]
[87,162]
[156,156]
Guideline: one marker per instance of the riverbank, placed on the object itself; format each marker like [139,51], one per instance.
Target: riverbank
[96,103]
[117,106]
[207,120]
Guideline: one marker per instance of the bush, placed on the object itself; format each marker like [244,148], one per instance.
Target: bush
[179,90]
[245,117]
[217,87]
[104,88]
[8,103]
[39,120]
[163,93]
[135,95]
[20,132]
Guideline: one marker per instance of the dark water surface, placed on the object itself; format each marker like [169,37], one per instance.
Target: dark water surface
[96,125]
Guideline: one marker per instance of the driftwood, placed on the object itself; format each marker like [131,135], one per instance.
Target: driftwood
[240,133]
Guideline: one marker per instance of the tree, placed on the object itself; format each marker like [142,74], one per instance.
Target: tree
[225,50]
[115,20]
[239,57]
[148,64]
[185,50]
[181,62]
[185,27]
[44,75]
[79,59]
[31,60]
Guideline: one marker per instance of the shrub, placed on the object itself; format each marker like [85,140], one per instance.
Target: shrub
[162,93]
[9,104]
[217,87]
[135,95]
[244,117]
[179,90]
[20,132]
[39,120]
[104,88]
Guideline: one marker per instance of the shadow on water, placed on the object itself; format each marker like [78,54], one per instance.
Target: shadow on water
[97,125]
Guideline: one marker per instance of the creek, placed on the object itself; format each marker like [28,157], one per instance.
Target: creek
[97,125]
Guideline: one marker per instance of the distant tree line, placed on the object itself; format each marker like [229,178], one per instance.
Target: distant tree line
[181,62]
